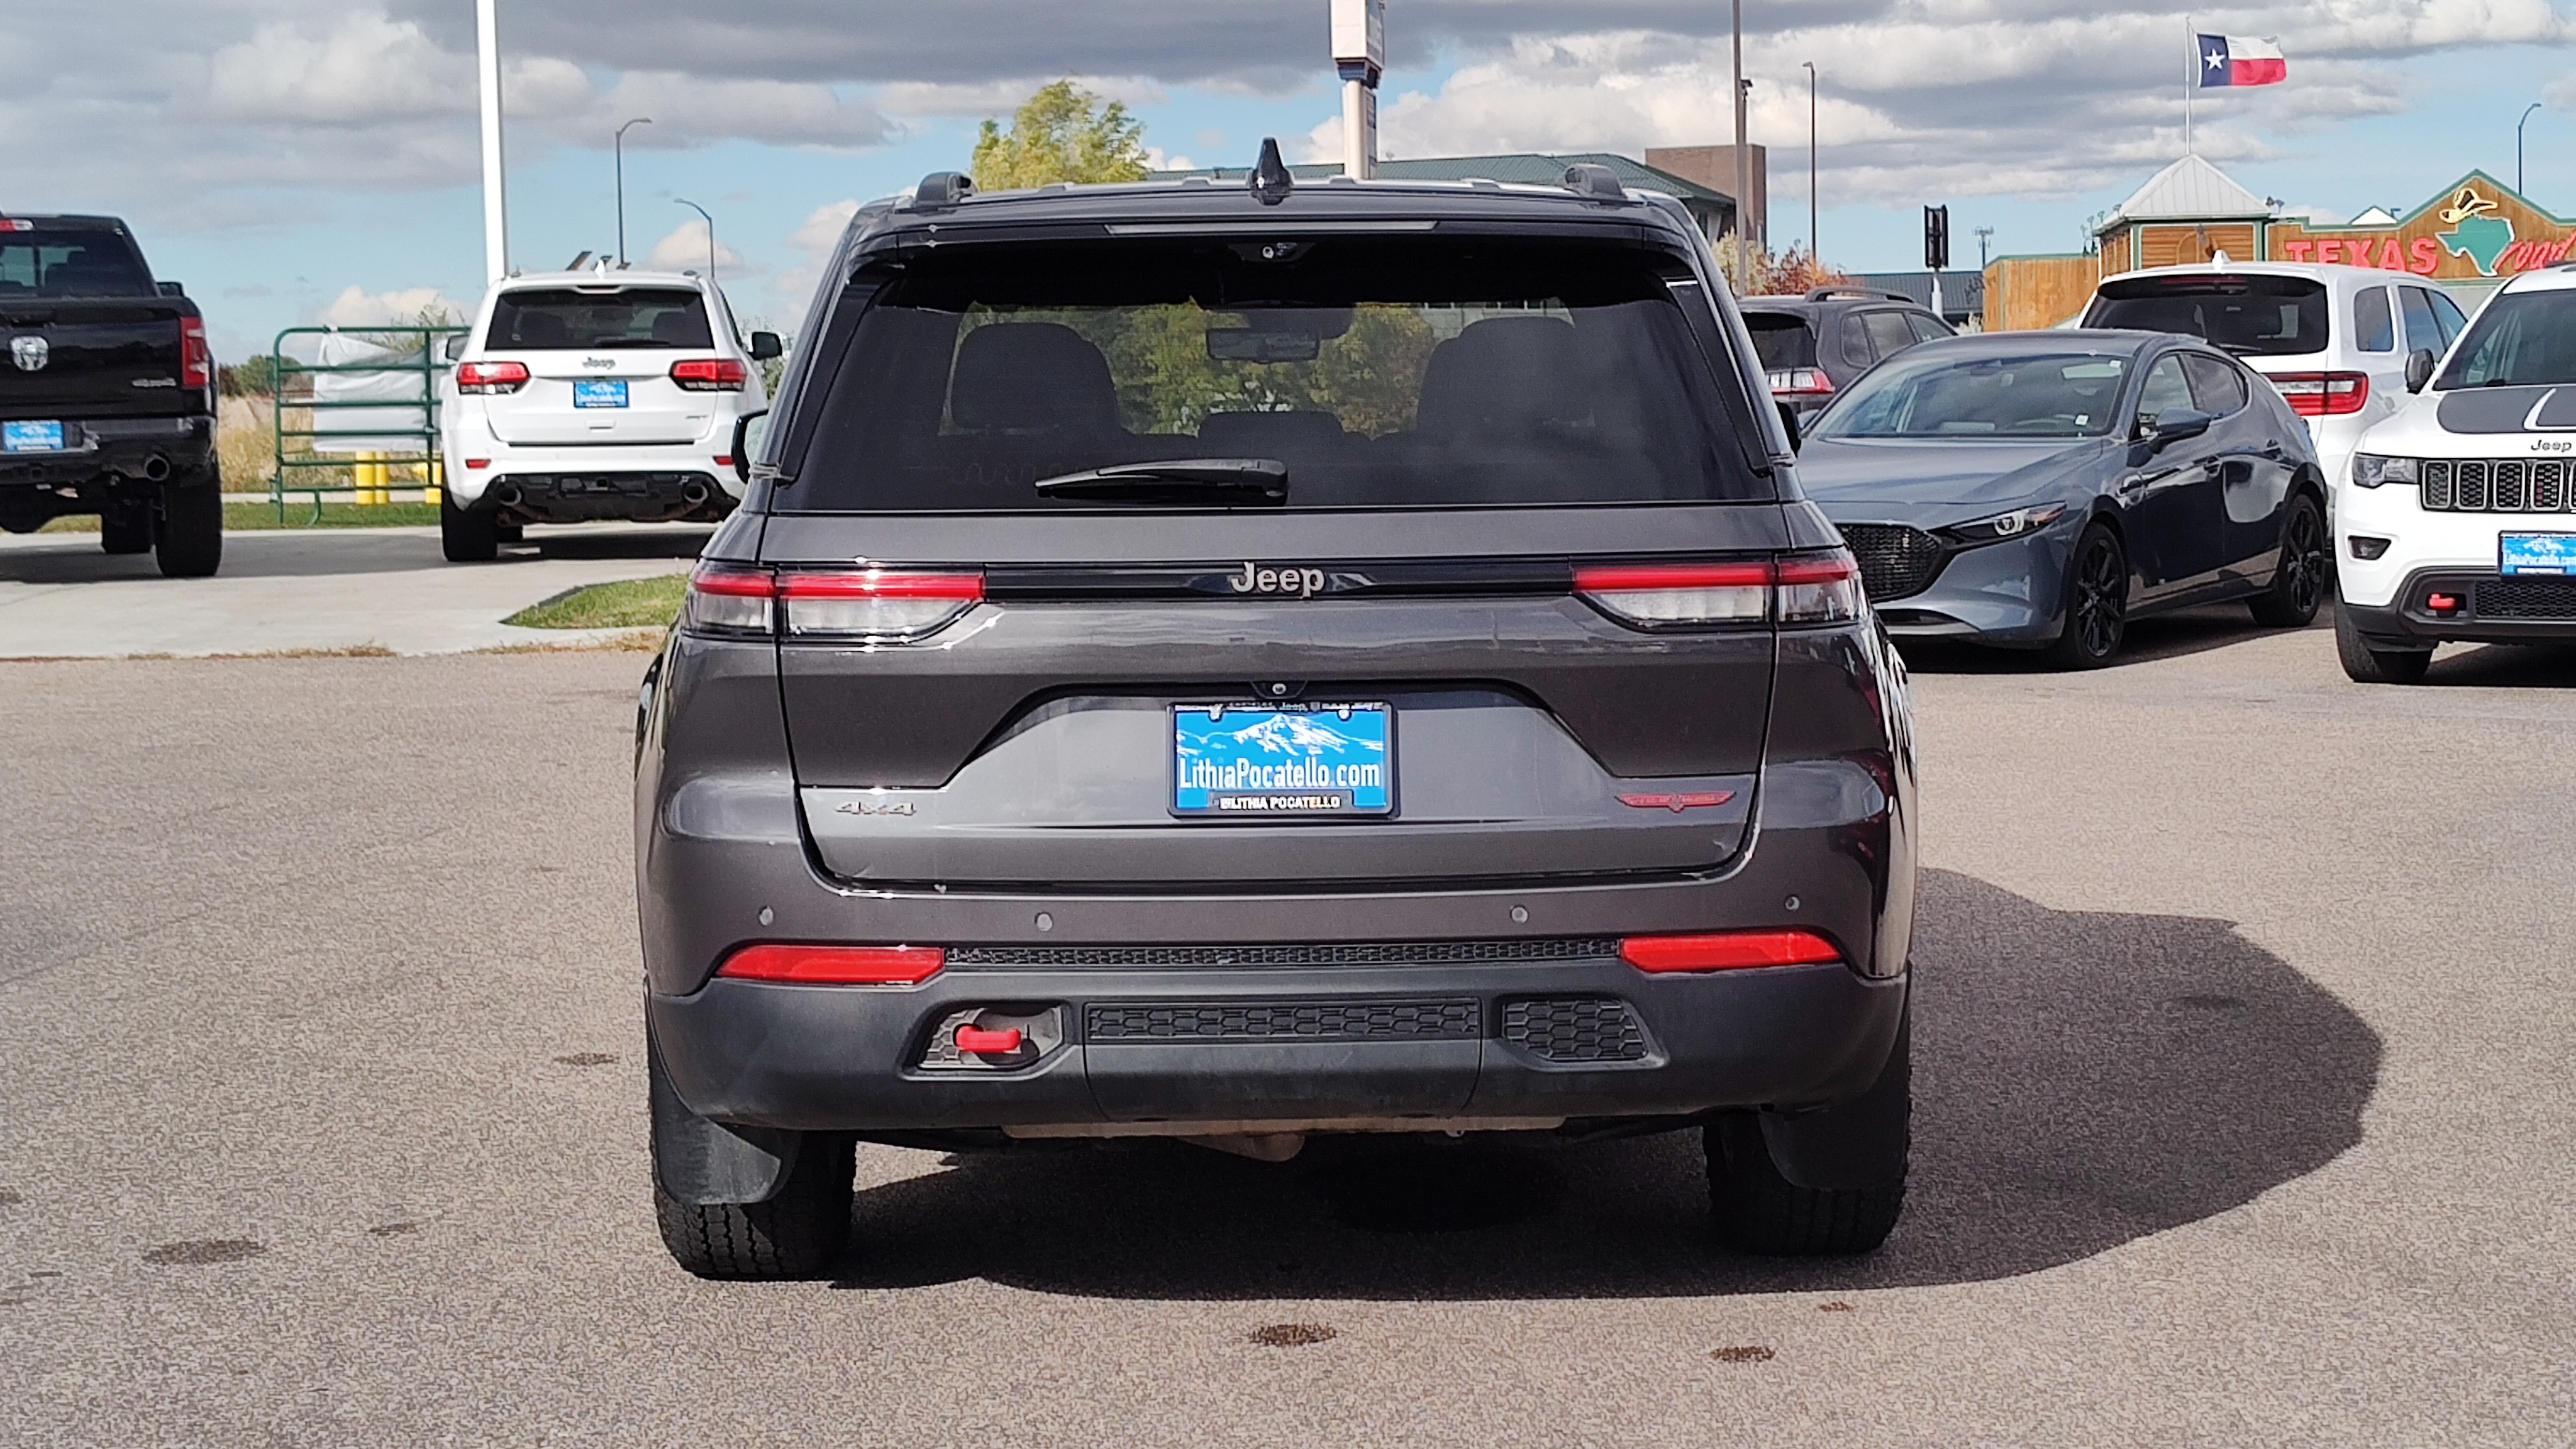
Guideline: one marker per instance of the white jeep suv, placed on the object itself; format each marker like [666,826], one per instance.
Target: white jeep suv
[593,395]
[2457,519]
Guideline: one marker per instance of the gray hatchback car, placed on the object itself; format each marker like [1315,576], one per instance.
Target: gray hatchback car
[1238,662]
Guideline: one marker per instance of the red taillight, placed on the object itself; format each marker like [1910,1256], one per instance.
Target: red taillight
[2324,394]
[730,600]
[1730,951]
[491,376]
[836,965]
[196,363]
[709,374]
[1801,382]
[889,604]
[1813,588]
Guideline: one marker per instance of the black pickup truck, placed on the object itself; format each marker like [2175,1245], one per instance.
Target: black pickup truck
[107,394]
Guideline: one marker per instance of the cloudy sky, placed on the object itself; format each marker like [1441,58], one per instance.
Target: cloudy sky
[304,160]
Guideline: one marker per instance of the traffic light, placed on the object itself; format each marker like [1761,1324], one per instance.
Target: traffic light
[1936,238]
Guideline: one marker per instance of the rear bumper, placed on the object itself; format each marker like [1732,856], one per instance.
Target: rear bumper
[2404,618]
[108,448]
[847,1058]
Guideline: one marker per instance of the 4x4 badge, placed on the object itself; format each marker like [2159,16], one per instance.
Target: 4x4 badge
[30,353]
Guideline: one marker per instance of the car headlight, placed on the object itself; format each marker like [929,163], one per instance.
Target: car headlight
[2006,525]
[2369,470]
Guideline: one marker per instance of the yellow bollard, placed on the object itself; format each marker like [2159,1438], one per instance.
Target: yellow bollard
[362,474]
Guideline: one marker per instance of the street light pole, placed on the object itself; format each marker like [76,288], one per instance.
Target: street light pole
[711,235]
[2517,144]
[1743,165]
[1815,247]
[618,144]
[496,222]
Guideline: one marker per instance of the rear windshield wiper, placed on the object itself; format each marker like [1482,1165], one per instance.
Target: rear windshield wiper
[1178,480]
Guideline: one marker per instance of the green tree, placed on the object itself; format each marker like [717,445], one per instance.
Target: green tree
[1064,133]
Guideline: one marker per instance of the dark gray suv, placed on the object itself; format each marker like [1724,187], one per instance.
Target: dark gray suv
[1242,662]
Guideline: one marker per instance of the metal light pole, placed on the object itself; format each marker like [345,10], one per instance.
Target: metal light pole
[1743,165]
[2517,144]
[496,222]
[1985,234]
[1815,248]
[711,235]
[618,144]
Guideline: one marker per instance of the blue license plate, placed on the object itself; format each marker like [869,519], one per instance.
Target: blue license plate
[2536,553]
[591,392]
[31,437]
[1283,761]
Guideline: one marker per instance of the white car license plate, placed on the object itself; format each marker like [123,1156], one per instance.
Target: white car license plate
[593,392]
[44,437]
[2536,553]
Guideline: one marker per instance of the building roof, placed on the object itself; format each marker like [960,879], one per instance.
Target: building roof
[2189,190]
[1520,168]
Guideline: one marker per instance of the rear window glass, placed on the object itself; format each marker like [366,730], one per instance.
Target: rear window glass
[1380,373]
[71,264]
[542,319]
[1782,341]
[1944,395]
[2248,316]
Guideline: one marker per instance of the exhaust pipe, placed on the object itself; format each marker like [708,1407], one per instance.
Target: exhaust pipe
[156,469]
[693,492]
[507,495]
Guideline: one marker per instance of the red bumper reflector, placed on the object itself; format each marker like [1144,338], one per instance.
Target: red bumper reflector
[988,1043]
[836,965]
[1731,951]
[1677,803]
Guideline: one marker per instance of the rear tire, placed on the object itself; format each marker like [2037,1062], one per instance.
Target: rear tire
[796,1234]
[2307,564]
[189,544]
[2364,663]
[467,536]
[2096,604]
[1759,1210]
[125,530]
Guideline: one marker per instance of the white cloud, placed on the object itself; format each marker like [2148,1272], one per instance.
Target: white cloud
[685,250]
[362,67]
[693,111]
[813,241]
[358,307]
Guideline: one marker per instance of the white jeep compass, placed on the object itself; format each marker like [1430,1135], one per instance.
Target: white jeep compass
[592,395]
[2457,519]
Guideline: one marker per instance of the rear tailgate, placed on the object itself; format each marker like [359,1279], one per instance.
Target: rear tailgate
[621,398]
[1032,741]
[79,358]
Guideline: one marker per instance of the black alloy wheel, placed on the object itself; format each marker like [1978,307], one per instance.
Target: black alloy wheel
[2307,564]
[2097,602]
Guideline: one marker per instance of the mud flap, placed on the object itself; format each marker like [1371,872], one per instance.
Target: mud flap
[1856,1144]
[702,1163]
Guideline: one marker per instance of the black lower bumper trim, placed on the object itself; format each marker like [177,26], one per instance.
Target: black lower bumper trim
[2492,609]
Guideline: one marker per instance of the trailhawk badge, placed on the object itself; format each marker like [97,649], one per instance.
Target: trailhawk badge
[30,353]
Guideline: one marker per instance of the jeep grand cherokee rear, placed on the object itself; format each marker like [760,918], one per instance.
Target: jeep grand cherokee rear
[1201,667]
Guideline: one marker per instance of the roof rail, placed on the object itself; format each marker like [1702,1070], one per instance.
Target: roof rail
[1826,294]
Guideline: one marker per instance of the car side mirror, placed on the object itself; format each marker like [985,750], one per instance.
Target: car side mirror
[2419,369]
[453,348]
[1789,424]
[2168,428]
[765,345]
[744,440]
[170,289]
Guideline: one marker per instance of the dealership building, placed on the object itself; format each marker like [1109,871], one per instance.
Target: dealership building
[2469,236]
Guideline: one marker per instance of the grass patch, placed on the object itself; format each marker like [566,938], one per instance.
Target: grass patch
[628,604]
[262,517]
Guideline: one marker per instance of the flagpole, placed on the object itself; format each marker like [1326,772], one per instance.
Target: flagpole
[2190,73]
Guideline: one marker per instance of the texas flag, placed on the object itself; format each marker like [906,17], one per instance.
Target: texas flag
[2240,60]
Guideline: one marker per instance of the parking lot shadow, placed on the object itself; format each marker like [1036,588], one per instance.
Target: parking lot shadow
[2163,636]
[2083,1079]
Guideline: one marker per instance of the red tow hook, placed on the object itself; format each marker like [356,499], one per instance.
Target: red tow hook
[978,1042]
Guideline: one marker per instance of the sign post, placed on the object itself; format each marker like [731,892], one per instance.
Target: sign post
[1359,54]
[1936,250]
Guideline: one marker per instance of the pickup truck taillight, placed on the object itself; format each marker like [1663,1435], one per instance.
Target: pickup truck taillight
[2324,394]
[709,374]
[1805,588]
[489,377]
[196,362]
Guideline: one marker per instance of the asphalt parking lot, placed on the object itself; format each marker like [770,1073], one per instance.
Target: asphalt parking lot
[2245,1113]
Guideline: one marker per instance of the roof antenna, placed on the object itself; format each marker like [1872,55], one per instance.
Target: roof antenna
[1271,180]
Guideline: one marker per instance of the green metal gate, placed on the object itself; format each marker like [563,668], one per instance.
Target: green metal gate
[411,443]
